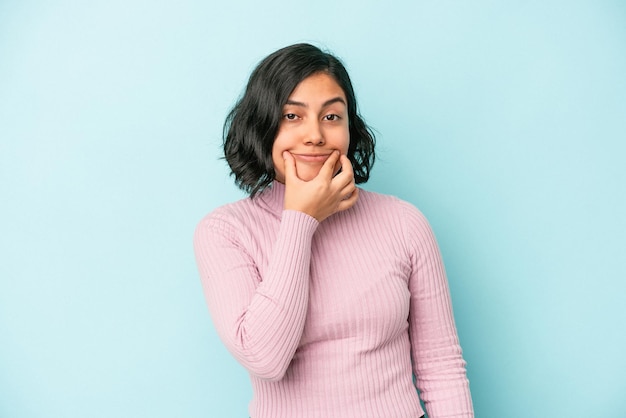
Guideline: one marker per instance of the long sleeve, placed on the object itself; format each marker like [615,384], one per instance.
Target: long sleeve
[437,356]
[260,319]
[333,319]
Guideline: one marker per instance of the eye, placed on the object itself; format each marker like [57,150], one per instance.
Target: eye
[290,116]
[332,117]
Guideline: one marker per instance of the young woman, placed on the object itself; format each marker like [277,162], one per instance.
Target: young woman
[333,298]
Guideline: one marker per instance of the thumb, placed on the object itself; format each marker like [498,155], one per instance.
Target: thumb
[290,167]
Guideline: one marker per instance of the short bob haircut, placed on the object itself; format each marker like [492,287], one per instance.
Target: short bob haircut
[253,123]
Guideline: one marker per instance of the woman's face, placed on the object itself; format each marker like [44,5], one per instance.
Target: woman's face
[314,124]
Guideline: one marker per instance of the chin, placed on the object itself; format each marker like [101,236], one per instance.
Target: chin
[308,175]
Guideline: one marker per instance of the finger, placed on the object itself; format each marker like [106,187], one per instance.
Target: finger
[290,166]
[328,169]
[347,173]
[348,202]
[346,165]
[347,190]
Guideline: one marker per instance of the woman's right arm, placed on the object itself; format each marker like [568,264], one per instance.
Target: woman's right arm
[259,319]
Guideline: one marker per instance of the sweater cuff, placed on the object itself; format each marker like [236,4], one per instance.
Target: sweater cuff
[297,222]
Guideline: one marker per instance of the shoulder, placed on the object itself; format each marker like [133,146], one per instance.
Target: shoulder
[226,218]
[384,204]
[390,210]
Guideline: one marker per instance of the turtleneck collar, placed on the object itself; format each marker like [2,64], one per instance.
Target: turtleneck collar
[272,198]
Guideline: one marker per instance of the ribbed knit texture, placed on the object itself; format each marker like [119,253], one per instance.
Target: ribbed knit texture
[333,319]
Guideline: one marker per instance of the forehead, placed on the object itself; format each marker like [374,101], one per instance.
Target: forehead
[319,86]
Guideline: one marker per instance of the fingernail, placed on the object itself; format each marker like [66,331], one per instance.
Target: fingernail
[284,155]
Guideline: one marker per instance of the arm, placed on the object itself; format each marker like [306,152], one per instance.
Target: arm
[437,357]
[259,319]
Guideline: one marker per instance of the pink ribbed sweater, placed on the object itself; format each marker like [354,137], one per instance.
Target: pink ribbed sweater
[332,319]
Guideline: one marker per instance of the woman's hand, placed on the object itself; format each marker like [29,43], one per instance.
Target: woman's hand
[324,195]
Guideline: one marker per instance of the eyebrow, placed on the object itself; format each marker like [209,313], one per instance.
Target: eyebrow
[326,103]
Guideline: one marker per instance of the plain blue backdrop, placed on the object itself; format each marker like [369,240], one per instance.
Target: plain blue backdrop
[504,122]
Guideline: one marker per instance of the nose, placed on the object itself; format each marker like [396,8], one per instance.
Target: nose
[313,134]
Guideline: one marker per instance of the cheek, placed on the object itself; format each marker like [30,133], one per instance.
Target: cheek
[278,162]
[345,142]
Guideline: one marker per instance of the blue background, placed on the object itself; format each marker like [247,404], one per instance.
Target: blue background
[504,122]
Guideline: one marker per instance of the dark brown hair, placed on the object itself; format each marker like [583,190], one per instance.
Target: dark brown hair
[252,124]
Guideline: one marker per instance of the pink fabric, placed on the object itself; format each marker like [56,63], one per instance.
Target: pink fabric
[332,319]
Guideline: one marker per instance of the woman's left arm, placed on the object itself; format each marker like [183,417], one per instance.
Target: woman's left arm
[437,356]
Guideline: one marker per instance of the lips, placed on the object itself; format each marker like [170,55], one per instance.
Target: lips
[311,158]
